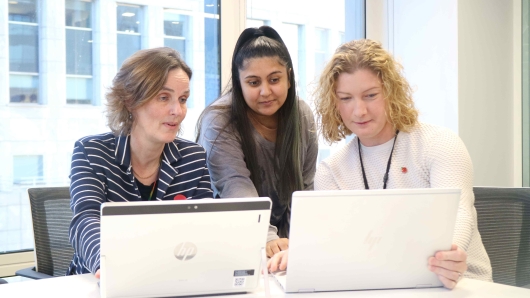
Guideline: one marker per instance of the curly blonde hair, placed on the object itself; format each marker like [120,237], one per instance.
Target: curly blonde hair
[352,56]
[139,79]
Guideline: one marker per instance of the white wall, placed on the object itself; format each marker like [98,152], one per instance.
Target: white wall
[490,112]
[460,57]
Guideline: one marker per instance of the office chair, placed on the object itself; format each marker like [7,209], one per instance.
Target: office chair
[51,215]
[503,216]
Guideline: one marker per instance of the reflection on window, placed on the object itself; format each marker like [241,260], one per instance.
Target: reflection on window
[23,52]
[78,15]
[175,28]
[128,26]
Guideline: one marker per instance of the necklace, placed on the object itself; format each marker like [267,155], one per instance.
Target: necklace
[156,171]
[156,180]
[145,177]
[385,178]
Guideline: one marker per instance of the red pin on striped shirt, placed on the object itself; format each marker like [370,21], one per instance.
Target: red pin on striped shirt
[179,197]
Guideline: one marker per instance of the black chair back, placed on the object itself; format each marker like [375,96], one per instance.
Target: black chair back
[503,216]
[51,214]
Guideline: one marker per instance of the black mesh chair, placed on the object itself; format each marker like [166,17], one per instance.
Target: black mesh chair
[504,223]
[51,215]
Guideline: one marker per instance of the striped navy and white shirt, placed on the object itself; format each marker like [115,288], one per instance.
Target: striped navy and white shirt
[101,172]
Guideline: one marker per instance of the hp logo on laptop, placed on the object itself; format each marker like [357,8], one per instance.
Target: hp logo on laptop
[185,251]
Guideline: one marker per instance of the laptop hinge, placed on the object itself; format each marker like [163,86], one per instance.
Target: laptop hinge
[306,290]
[424,286]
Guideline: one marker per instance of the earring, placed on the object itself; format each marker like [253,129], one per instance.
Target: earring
[130,116]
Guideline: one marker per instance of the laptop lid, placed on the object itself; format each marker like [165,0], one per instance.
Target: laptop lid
[377,239]
[182,248]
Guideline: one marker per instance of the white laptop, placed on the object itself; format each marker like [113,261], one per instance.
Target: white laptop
[359,239]
[182,248]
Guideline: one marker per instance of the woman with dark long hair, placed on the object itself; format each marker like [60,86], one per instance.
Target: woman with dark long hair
[259,137]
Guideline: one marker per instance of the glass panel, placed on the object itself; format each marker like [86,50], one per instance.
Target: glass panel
[23,11]
[211,6]
[23,88]
[128,18]
[23,48]
[78,90]
[28,169]
[212,60]
[79,53]
[127,45]
[78,13]
[174,23]
[177,44]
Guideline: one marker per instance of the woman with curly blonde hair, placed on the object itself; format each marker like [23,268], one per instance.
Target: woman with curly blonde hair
[362,91]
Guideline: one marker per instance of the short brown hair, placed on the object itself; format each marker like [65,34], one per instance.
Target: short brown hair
[352,56]
[139,79]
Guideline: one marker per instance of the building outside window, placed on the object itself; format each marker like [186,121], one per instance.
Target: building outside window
[23,52]
[176,26]
[128,30]
[68,88]
[78,22]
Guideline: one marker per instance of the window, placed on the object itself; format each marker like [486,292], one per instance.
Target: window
[78,51]
[128,28]
[176,28]
[28,169]
[23,52]
[15,221]
[212,55]
[37,140]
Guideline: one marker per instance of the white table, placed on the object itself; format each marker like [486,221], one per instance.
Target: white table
[86,286]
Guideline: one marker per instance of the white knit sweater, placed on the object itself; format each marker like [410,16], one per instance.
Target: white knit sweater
[434,157]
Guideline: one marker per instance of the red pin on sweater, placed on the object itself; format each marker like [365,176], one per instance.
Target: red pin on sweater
[179,197]
[404,170]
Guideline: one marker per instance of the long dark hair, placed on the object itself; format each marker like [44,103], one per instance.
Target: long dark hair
[258,43]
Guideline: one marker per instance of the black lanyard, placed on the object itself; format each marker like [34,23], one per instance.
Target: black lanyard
[385,178]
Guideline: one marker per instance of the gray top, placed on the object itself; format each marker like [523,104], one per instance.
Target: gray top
[228,171]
